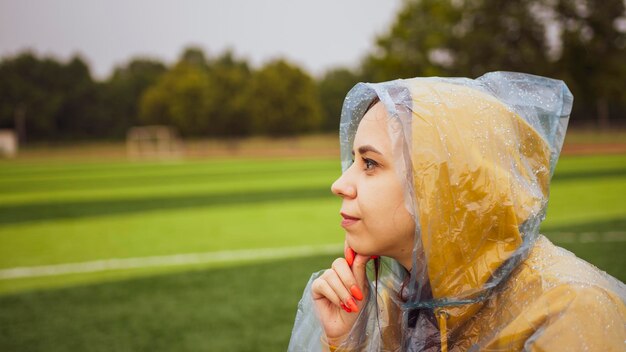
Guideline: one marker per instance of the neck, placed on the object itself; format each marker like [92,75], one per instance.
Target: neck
[405,260]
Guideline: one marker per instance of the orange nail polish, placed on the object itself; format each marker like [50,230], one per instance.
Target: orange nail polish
[352,305]
[343,306]
[356,292]
[349,256]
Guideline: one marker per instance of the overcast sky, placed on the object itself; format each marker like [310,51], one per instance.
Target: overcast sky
[316,34]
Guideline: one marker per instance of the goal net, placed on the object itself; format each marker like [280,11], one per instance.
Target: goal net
[153,142]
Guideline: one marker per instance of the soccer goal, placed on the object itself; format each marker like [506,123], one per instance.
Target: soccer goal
[153,142]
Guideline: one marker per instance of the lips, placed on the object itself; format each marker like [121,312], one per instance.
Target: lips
[348,220]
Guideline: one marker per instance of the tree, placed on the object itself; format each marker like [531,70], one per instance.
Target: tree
[45,99]
[22,98]
[200,96]
[230,76]
[593,59]
[194,56]
[76,118]
[333,88]
[500,35]
[121,93]
[181,98]
[417,44]
[460,38]
[282,100]
[471,37]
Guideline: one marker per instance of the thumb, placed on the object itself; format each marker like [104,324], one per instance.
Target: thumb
[358,269]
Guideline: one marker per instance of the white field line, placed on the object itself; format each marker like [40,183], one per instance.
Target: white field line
[237,255]
[167,260]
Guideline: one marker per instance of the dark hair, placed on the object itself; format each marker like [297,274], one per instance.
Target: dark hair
[372,103]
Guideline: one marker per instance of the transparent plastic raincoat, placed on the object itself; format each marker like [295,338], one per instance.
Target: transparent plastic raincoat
[476,158]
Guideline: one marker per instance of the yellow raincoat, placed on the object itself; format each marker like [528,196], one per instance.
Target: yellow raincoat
[476,157]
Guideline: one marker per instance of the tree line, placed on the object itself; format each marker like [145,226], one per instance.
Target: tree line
[199,96]
[582,42]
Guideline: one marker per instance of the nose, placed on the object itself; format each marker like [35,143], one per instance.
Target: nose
[344,186]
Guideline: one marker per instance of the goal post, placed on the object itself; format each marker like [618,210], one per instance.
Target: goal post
[156,141]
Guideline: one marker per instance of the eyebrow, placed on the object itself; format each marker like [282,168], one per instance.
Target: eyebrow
[367,148]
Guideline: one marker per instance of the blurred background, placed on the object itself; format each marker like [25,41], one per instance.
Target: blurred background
[165,167]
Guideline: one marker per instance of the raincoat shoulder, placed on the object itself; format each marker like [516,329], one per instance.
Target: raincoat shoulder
[552,302]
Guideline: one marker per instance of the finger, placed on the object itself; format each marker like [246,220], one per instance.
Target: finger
[358,269]
[340,266]
[321,289]
[340,289]
[348,253]
[337,285]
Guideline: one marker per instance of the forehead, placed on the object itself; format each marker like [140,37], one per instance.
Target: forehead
[372,129]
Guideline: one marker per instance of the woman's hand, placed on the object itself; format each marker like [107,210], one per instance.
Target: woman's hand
[338,294]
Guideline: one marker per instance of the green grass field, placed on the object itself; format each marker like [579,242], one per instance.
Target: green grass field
[57,212]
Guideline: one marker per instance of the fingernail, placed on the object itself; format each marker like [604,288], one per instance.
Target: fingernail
[349,256]
[343,306]
[356,292]
[352,305]
[374,257]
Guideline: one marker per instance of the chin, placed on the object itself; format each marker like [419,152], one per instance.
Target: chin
[360,247]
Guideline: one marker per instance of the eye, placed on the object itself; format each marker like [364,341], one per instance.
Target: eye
[369,164]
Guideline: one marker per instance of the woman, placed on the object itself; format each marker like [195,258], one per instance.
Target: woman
[447,181]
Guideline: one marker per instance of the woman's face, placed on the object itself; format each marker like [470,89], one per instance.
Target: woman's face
[373,210]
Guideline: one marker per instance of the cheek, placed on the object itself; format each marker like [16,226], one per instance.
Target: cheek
[385,211]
